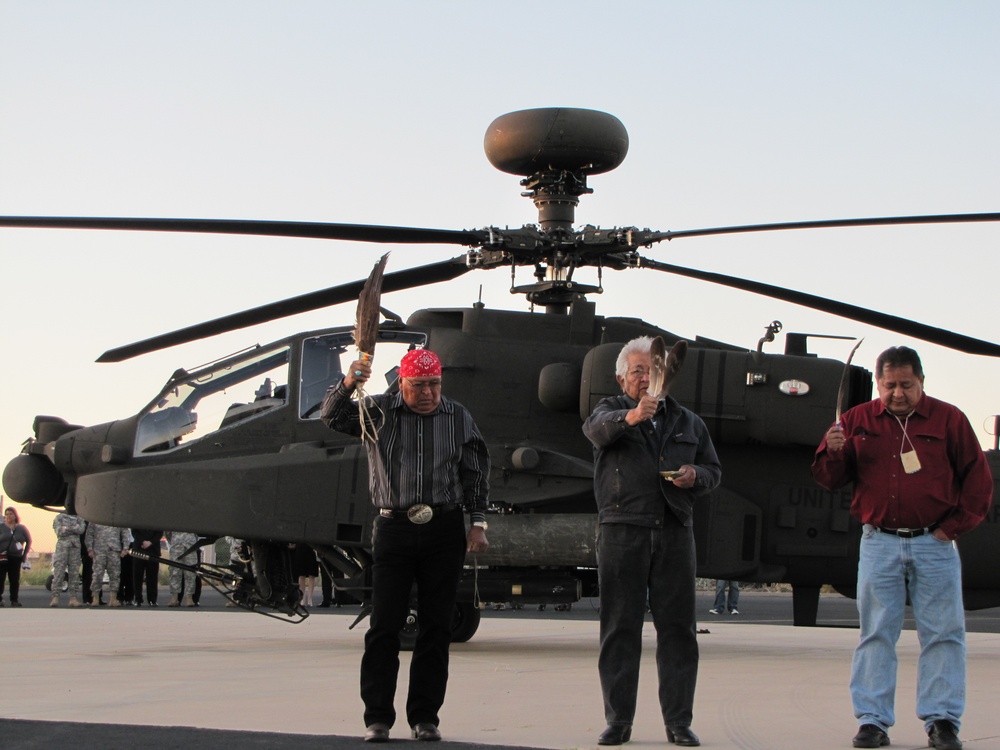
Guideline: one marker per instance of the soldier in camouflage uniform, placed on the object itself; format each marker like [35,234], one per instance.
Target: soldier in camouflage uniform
[180,541]
[66,559]
[107,545]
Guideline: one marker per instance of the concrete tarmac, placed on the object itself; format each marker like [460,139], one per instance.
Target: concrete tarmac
[189,678]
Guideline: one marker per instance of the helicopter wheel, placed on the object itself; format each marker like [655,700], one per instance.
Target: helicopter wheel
[465,622]
[48,583]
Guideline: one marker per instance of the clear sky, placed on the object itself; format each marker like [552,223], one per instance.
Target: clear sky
[375,112]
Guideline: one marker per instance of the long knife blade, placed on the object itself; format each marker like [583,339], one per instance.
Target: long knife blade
[843,381]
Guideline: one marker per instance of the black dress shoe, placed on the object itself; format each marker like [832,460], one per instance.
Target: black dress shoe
[615,734]
[870,735]
[682,736]
[943,736]
[377,733]
[426,732]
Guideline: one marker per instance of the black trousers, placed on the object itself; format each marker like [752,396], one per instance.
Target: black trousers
[10,569]
[148,571]
[633,563]
[430,555]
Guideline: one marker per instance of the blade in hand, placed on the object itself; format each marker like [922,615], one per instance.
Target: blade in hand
[843,381]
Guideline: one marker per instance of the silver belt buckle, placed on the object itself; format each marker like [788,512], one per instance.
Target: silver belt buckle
[420,513]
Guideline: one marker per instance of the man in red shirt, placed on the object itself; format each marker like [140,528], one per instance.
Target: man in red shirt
[921,480]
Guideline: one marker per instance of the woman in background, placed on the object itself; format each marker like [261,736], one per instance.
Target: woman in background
[15,541]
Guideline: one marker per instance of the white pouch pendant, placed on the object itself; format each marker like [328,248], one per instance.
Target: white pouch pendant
[911,464]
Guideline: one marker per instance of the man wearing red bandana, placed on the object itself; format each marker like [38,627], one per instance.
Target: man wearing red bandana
[427,461]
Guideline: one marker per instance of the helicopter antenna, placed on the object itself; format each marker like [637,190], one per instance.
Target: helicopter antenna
[769,334]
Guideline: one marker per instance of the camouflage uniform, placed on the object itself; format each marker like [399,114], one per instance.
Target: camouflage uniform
[106,544]
[179,542]
[66,559]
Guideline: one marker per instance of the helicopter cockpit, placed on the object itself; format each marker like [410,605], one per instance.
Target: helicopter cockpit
[213,399]
[323,363]
[242,388]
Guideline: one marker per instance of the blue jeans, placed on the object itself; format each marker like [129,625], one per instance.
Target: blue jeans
[720,595]
[634,561]
[931,571]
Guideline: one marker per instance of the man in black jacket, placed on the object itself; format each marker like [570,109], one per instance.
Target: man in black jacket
[146,541]
[652,459]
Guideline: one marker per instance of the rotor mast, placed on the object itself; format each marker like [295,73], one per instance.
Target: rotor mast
[556,149]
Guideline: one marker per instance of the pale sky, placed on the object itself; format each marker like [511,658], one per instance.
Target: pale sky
[737,113]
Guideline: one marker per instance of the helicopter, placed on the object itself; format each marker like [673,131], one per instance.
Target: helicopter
[236,447]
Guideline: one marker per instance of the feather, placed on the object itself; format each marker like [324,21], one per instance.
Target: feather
[665,366]
[369,310]
[365,335]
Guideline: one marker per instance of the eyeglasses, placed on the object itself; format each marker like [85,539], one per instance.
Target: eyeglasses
[638,373]
[419,385]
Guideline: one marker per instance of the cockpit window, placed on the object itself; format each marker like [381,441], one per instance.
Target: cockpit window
[214,399]
[324,357]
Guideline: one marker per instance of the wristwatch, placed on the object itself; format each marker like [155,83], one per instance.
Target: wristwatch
[481,524]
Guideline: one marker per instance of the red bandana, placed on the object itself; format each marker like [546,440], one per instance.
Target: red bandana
[419,363]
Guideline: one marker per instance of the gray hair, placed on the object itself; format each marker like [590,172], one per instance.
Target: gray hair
[640,345]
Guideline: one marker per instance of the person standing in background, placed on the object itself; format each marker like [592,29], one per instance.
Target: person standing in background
[146,541]
[15,542]
[66,560]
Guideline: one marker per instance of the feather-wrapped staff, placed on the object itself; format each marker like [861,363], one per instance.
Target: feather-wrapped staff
[366,334]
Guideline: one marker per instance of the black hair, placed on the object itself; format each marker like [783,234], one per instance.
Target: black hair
[898,356]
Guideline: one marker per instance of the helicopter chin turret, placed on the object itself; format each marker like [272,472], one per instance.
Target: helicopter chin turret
[32,476]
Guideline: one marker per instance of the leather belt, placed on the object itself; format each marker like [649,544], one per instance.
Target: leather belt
[436,510]
[908,533]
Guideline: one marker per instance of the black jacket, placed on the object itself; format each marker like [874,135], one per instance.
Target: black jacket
[628,461]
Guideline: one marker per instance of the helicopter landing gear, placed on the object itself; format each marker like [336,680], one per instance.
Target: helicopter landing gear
[805,605]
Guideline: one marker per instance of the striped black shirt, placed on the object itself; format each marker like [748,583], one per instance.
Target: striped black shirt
[437,459]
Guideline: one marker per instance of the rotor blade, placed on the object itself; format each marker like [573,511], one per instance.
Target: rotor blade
[313,230]
[826,224]
[392,282]
[862,314]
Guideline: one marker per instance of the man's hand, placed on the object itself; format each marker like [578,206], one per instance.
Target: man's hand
[357,374]
[643,410]
[835,439]
[686,478]
[476,540]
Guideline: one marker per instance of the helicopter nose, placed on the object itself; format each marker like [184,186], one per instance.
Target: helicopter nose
[31,478]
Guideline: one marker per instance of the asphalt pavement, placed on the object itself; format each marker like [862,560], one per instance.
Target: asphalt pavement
[756,607]
[214,677]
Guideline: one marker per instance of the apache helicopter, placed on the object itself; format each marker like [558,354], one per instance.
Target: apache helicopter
[236,448]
